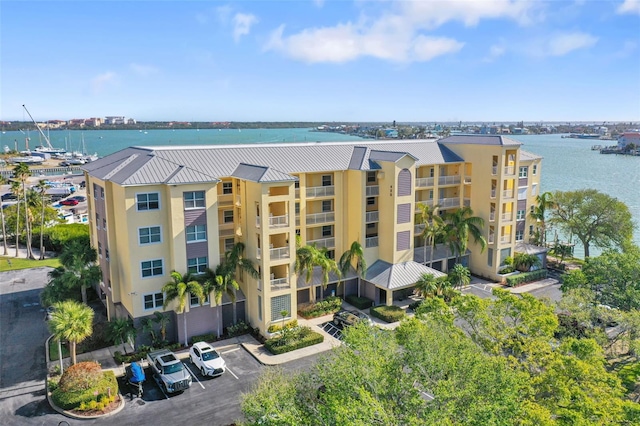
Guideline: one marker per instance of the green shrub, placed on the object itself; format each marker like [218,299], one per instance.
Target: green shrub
[359,302]
[55,237]
[305,337]
[387,313]
[107,384]
[209,337]
[277,327]
[327,306]
[81,376]
[526,277]
[507,270]
[238,329]
[414,305]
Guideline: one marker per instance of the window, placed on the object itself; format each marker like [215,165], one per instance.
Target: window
[99,249]
[432,172]
[534,190]
[197,265]
[97,221]
[95,191]
[371,201]
[534,169]
[490,257]
[279,304]
[104,224]
[431,194]
[259,308]
[327,205]
[149,235]
[520,214]
[227,216]
[327,180]
[523,172]
[519,235]
[196,233]
[297,208]
[150,201]
[296,184]
[195,300]
[530,229]
[532,209]
[194,200]
[153,301]
[371,177]
[228,244]
[151,268]
[331,254]
[371,225]
[106,255]
[227,187]
[102,193]
[327,231]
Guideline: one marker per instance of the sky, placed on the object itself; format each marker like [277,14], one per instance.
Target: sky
[321,60]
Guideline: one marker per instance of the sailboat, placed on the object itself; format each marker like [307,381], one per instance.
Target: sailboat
[44,149]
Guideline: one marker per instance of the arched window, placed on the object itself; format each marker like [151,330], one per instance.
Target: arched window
[404,182]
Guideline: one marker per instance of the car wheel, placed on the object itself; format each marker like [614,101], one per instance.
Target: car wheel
[204,373]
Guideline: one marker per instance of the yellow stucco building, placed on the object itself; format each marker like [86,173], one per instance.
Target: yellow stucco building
[154,210]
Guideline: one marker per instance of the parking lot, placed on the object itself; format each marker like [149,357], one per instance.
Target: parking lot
[331,329]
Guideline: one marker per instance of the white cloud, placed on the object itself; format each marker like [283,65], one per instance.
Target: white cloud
[102,81]
[143,70]
[629,6]
[398,34]
[242,23]
[565,43]
[495,52]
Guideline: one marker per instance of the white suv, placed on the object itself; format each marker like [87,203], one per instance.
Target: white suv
[207,359]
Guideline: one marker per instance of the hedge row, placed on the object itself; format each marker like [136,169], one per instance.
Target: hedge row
[359,302]
[327,306]
[70,400]
[387,313]
[277,327]
[526,277]
[307,339]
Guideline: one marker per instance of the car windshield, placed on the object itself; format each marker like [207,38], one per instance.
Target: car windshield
[173,368]
[207,356]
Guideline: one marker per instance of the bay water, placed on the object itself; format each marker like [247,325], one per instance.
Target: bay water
[568,164]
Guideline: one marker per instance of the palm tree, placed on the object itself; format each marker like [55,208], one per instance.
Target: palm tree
[355,253]
[426,285]
[78,267]
[433,228]
[461,224]
[459,275]
[3,181]
[120,330]
[15,188]
[234,260]
[149,326]
[544,202]
[162,320]
[523,262]
[42,189]
[21,172]
[217,285]
[309,257]
[179,289]
[71,321]
[327,265]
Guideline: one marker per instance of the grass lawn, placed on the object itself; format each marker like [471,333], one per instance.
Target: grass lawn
[12,263]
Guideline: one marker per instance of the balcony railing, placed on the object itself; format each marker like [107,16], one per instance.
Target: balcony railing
[297,220]
[449,202]
[448,180]
[424,182]
[492,216]
[467,179]
[225,200]
[507,216]
[493,193]
[372,216]
[507,193]
[258,253]
[275,221]
[491,239]
[510,170]
[225,229]
[505,239]
[279,253]
[323,242]
[466,202]
[320,191]
[428,202]
[494,170]
[371,242]
[280,283]
[372,191]
[316,218]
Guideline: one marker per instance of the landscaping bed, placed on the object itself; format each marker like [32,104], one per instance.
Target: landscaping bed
[359,301]
[330,305]
[387,313]
[292,339]
[525,277]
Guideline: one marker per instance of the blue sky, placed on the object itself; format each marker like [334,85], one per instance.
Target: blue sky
[497,60]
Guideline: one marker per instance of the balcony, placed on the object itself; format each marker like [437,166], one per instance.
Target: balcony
[449,202]
[505,239]
[373,216]
[508,217]
[297,220]
[467,179]
[314,219]
[372,191]
[449,180]
[280,283]
[491,238]
[225,200]
[279,253]
[428,202]
[275,221]
[494,170]
[417,229]
[493,193]
[466,202]
[258,253]
[323,242]
[507,193]
[510,170]
[424,182]
[320,191]
[492,216]
[225,229]
[370,242]
[297,193]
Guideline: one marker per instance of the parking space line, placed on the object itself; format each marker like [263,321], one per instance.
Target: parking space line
[232,374]
[230,350]
[193,375]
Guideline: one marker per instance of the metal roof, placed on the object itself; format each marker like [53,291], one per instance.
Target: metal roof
[260,174]
[480,140]
[192,164]
[398,275]
[527,156]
